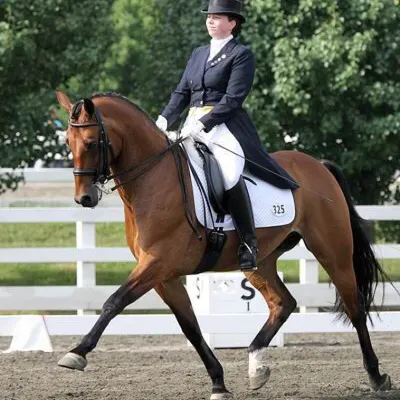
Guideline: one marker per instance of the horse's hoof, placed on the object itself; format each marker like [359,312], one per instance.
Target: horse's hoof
[383,385]
[222,396]
[260,378]
[258,370]
[73,361]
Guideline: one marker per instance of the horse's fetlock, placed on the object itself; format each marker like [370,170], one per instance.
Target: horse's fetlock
[372,366]
[216,374]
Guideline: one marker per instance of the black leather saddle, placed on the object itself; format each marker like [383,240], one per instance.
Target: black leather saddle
[214,179]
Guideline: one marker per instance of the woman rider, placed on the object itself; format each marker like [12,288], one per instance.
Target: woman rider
[217,79]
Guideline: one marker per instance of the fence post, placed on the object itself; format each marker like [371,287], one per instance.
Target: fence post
[85,272]
[308,274]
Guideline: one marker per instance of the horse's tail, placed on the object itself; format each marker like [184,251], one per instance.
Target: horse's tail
[366,267]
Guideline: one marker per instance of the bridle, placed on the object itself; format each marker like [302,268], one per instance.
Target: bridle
[102,173]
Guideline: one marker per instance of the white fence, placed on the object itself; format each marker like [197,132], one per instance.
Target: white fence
[86,295]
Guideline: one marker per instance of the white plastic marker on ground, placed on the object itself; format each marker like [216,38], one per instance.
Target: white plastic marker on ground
[30,334]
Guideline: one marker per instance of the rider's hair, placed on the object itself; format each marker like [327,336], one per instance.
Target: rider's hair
[238,28]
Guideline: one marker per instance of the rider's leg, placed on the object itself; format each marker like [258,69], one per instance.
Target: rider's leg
[242,215]
[232,165]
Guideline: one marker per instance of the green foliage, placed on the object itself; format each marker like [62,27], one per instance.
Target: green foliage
[45,44]
[154,41]
[328,82]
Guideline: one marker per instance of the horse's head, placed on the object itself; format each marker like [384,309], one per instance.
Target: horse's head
[90,147]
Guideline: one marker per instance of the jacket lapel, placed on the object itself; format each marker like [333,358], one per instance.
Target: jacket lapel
[222,55]
[203,58]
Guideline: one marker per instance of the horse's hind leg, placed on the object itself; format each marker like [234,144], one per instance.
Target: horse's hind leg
[175,296]
[354,308]
[280,303]
[336,256]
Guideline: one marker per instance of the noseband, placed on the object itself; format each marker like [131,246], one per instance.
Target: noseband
[102,172]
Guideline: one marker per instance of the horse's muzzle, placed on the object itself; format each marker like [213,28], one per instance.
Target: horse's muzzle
[89,199]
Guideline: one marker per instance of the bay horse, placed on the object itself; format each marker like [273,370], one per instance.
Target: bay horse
[109,132]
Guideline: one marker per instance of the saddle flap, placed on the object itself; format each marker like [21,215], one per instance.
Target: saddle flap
[214,179]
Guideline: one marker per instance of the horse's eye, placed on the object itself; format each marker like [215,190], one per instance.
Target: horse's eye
[91,145]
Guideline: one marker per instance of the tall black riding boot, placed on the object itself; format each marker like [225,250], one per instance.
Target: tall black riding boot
[242,215]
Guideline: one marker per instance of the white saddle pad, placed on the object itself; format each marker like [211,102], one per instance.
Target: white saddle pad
[271,206]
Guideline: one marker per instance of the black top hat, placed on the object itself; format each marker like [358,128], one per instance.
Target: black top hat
[234,7]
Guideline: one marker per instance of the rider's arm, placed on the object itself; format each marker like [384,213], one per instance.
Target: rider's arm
[239,86]
[180,98]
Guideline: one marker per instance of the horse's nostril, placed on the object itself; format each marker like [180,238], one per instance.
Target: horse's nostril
[86,201]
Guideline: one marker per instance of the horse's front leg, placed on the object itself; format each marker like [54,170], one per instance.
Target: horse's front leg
[175,296]
[139,282]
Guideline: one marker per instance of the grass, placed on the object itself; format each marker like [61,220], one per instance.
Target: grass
[57,235]
[107,234]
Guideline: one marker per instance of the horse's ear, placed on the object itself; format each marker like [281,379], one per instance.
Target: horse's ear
[64,100]
[88,106]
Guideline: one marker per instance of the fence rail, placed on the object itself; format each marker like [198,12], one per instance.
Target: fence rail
[217,324]
[41,175]
[63,298]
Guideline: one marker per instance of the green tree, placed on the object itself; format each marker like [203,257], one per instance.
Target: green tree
[45,44]
[328,82]
[327,79]
[153,42]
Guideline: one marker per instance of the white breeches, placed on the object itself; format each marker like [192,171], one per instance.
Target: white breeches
[231,164]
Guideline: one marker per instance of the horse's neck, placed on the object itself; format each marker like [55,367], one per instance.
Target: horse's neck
[154,205]
[155,195]
[141,140]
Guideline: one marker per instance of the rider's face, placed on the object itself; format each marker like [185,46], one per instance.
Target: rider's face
[219,26]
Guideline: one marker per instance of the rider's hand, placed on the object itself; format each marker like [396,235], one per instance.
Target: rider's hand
[172,135]
[203,137]
[194,130]
[162,123]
